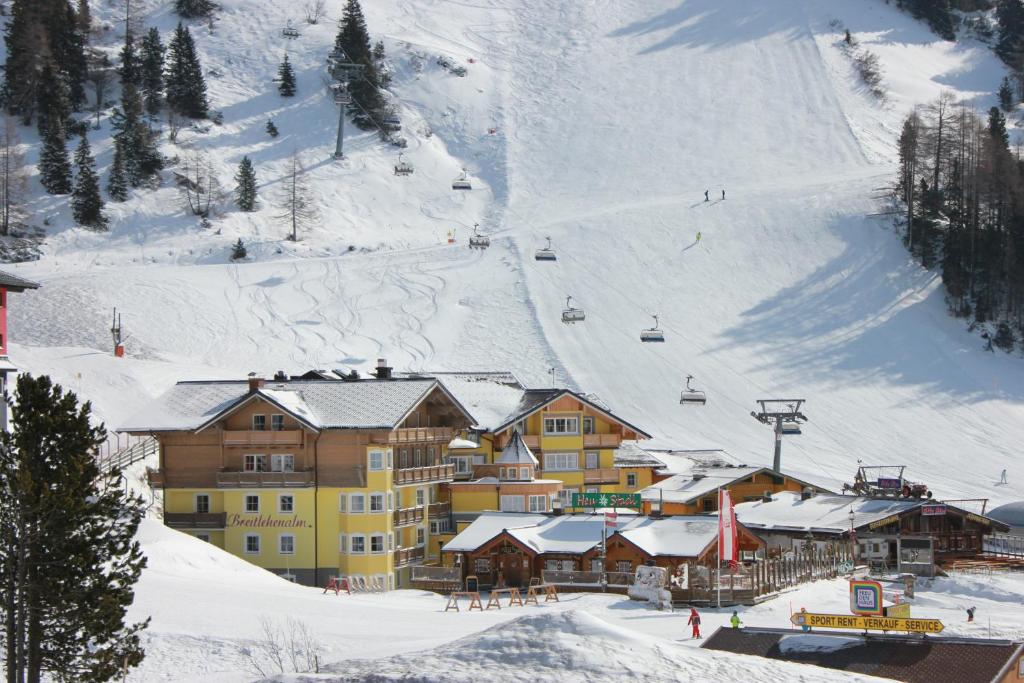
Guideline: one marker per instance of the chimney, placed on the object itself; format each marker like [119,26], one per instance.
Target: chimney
[383,369]
[280,376]
[255,382]
[766,497]
[807,493]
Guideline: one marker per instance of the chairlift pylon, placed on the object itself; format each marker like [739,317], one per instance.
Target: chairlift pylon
[571,314]
[545,253]
[403,167]
[478,241]
[691,396]
[653,334]
[462,182]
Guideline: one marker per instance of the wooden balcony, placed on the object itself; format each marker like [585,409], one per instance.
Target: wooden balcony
[195,520]
[602,440]
[408,516]
[417,475]
[603,475]
[285,437]
[416,435]
[406,556]
[442,509]
[156,478]
[229,479]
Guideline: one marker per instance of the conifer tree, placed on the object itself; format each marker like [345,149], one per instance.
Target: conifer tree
[142,160]
[271,128]
[130,70]
[117,184]
[238,251]
[353,39]
[153,71]
[54,165]
[193,9]
[286,78]
[185,85]
[245,185]
[1010,44]
[1006,94]
[83,17]
[69,559]
[52,104]
[86,202]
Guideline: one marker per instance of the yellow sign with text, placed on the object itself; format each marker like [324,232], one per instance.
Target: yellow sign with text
[867,623]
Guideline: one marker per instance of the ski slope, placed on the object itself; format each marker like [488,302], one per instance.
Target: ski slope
[600,125]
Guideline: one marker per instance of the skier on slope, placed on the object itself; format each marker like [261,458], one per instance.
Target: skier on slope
[705,195]
[1002,478]
[694,620]
[723,195]
[698,237]
[970,614]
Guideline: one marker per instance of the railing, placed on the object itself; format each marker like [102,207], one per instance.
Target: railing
[532,441]
[413,475]
[442,509]
[404,556]
[621,578]
[285,437]
[439,575]
[407,516]
[417,435]
[235,479]
[195,520]
[604,475]
[999,544]
[132,454]
[601,440]
[562,578]
[156,478]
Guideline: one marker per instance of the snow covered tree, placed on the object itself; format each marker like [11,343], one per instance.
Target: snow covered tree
[194,9]
[245,185]
[117,184]
[54,165]
[238,251]
[142,159]
[63,517]
[86,202]
[153,71]
[184,82]
[130,70]
[286,78]
[297,206]
[271,128]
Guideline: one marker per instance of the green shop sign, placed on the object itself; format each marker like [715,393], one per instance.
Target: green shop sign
[606,500]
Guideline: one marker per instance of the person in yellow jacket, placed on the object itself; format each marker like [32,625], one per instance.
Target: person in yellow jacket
[735,620]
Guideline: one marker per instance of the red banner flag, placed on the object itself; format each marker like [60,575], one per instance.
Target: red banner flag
[610,520]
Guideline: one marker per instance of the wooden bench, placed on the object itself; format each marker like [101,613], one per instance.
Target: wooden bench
[474,601]
[550,593]
[514,597]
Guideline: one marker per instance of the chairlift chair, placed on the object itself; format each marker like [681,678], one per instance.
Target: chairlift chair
[403,167]
[462,182]
[290,31]
[545,253]
[392,123]
[791,428]
[571,314]
[654,334]
[691,396]
[340,93]
[478,241]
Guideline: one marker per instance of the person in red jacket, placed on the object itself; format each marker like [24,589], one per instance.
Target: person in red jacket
[694,620]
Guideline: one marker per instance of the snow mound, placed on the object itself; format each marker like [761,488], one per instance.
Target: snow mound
[566,646]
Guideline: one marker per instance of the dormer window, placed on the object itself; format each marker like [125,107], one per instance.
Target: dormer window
[259,423]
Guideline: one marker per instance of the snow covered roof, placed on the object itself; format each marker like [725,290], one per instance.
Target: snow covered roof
[517,452]
[629,454]
[15,283]
[686,488]
[367,404]
[681,461]
[1011,513]
[576,534]
[488,396]
[535,399]
[826,513]
[457,443]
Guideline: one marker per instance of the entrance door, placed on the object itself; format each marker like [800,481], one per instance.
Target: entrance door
[513,569]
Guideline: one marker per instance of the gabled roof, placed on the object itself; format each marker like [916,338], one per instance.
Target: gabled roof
[516,452]
[488,396]
[15,283]
[319,404]
[535,399]
[687,488]
[629,454]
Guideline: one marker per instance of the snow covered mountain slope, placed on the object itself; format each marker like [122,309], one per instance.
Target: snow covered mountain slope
[599,124]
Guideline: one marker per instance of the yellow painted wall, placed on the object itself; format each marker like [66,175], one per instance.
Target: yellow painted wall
[265,524]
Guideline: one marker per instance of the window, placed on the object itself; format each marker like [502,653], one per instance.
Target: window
[259,423]
[419,496]
[521,426]
[252,503]
[560,462]
[391,541]
[377,544]
[538,503]
[357,504]
[376,460]
[709,505]
[430,455]
[203,537]
[342,502]
[202,503]
[252,544]
[286,544]
[593,460]
[282,463]
[463,464]
[391,501]
[561,425]
[566,496]
[391,459]
[254,463]
[524,473]
[417,458]
[286,504]
[482,565]
[560,565]
[276,423]
[631,479]
[588,425]
[342,543]
[376,502]
[624,567]
[597,565]
[403,458]
[421,537]
[357,544]
[512,504]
